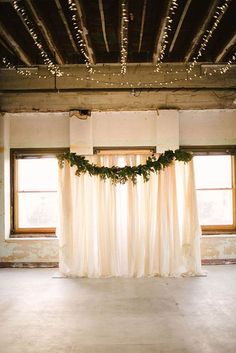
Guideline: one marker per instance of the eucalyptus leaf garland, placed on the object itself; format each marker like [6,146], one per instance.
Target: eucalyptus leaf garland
[123,174]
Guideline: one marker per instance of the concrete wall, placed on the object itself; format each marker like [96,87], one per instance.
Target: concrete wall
[164,129]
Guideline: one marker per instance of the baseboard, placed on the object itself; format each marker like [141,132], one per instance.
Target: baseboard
[29,264]
[218,261]
[56,264]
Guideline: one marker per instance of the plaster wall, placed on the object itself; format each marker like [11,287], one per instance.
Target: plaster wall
[208,127]
[166,129]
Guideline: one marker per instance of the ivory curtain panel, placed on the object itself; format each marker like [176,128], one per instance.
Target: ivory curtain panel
[147,229]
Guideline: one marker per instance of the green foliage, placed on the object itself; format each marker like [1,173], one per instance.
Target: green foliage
[123,174]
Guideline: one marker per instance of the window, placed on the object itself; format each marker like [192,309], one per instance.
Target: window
[216,197]
[34,192]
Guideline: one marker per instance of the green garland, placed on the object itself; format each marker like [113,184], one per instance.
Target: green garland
[123,174]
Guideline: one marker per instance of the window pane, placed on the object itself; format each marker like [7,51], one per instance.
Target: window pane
[37,174]
[212,172]
[215,207]
[37,210]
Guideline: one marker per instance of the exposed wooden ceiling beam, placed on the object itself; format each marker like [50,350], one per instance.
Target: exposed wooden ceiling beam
[6,47]
[165,99]
[64,20]
[201,30]
[45,32]
[163,22]
[230,44]
[15,46]
[142,25]
[85,34]
[102,15]
[181,20]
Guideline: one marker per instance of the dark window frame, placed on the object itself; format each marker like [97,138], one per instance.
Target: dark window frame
[20,153]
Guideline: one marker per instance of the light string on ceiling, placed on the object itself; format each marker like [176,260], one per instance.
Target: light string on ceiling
[54,69]
[79,35]
[167,29]
[124,36]
[128,84]
[220,11]
[9,65]
[227,67]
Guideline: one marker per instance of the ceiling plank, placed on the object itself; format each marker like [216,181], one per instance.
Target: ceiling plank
[20,53]
[102,15]
[160,33]
[142,25]
[229,45]
[64,20]
[181,20]
[201,30]
[45,32]
[84,28]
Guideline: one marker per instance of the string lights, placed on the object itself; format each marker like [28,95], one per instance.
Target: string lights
[127,84]
[124,36]
[167,29]
[220,10]
[226,68]
[117,78]
[10,66]
[47,61]
[79,35]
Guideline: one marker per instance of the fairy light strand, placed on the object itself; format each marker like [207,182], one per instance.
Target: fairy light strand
[79,35]
[220,11]
[124,36]
[47,61]
[128,84]
[227,67]
[167,29]
[124,46]
[9,65]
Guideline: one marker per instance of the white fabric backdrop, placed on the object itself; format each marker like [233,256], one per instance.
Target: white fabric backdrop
[129,230]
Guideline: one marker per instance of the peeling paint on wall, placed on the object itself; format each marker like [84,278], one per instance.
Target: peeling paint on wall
[29,250]
[218,247]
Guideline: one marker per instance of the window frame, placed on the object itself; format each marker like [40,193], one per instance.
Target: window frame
[123,150]
[211,151]
[15,154]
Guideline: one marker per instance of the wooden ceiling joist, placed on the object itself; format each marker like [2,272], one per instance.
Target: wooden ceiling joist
[228,46]
[87,41]
[201,30]
[142,25]
[64,20]
[103,22]
[20,53]
[181,20]
[4,45]
[160,32]
[45,32]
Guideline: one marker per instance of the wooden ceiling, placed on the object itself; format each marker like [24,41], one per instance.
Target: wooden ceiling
[100,21]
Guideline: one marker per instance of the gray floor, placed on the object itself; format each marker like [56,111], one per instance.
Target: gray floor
[40,314]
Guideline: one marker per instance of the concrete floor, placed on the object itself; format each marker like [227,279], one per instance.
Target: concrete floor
[41,314]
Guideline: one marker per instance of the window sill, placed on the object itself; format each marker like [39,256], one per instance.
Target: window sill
[32,235]
[231,231]
[32,238]
[218,235]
